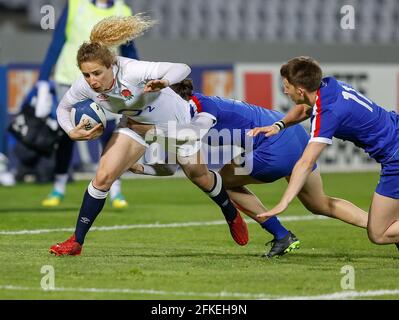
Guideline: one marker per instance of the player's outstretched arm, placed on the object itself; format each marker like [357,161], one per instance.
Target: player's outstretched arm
[296,115]
[299,175]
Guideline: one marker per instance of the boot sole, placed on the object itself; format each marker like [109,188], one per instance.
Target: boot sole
[293,246]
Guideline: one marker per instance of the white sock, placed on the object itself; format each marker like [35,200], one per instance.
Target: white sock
[217,186]
[115,188]
[95,193]
[60,182]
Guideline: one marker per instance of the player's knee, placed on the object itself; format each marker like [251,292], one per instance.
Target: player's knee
[376,238]
[320,211]
[202,181]
[226,178]
[104,180]
[321,206]
[317,212]
[316,208]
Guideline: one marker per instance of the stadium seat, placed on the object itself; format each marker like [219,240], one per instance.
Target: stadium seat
[256,20]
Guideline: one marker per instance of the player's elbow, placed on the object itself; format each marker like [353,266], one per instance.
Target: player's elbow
[186,70]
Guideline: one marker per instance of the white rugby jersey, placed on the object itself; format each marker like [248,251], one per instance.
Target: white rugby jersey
[127,96]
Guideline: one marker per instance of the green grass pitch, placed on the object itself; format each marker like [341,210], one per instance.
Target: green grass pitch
[188,261]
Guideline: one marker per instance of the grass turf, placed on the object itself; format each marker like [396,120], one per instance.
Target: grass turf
[191,262]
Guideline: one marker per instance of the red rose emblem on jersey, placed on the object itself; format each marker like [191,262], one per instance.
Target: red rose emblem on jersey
[126,93]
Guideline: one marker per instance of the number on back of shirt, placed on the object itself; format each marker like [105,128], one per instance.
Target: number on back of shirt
[352,94]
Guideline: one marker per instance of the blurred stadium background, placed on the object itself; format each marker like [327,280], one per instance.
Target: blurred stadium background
[235,49]
[231,45]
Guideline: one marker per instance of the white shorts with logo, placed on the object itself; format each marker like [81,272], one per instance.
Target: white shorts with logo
[162,144]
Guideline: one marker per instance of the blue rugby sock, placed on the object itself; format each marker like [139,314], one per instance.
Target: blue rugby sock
[90,209]
[274,226]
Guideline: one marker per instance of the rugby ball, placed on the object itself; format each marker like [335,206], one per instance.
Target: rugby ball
[89,110]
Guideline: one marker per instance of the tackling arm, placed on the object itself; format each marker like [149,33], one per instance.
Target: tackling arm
[296,115]
[168,74]
[298,177]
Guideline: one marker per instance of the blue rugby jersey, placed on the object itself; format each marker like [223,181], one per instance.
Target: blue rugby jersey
[235,115]
[344,113]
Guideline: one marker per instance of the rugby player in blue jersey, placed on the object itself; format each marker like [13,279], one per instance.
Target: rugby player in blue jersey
[338,110]
[265,160]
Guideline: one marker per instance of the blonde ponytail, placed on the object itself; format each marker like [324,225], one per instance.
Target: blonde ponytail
[115,31]
[111,32]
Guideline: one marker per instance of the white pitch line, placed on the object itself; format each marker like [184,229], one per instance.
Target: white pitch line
[151,225]
[223,294]
[345,295]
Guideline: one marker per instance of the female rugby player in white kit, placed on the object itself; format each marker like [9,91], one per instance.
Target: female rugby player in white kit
[138,90]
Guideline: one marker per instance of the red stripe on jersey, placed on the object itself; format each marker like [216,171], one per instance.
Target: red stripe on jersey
[318,115]
[197,103]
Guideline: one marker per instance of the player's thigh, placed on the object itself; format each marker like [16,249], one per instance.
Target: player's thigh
[193,165]
[384,209]
[233,176]
[196,170]
[120,153]
[383,212]
[312,194]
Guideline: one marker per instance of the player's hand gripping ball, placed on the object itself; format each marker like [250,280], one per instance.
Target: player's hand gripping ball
[89,110]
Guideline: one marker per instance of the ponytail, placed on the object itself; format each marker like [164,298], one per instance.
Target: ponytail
[115,31]
[111,32]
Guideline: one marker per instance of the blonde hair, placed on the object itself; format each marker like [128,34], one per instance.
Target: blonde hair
[115,31]
[111,32]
